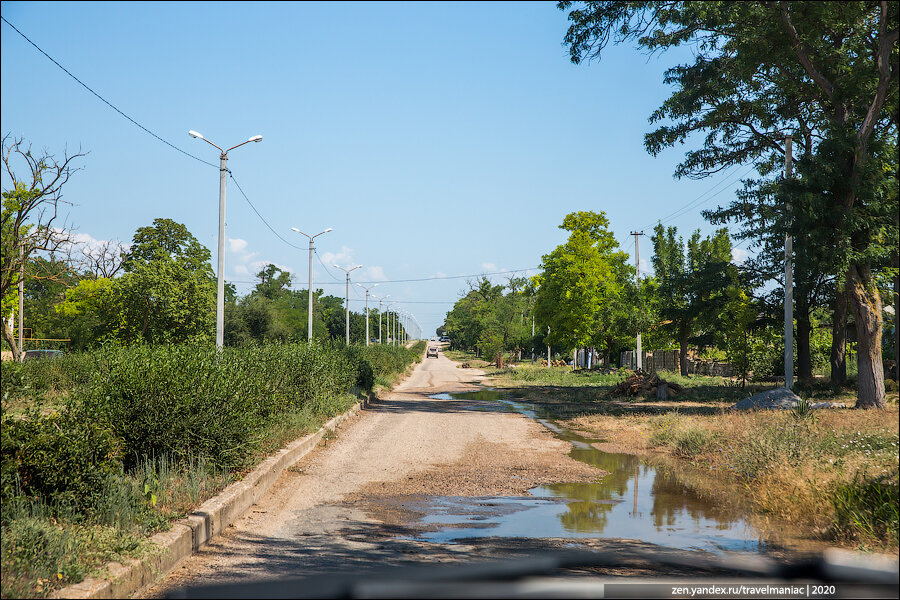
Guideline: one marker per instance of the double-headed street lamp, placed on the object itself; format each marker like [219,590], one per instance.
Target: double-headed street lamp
[220,289]
[347,271]
[367,307]
[311,249]
[380,302]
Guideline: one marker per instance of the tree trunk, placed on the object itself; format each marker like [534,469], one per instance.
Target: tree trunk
[10,339]
[896,318]
[865,302]
[839,338]
[682,357]
[804,327]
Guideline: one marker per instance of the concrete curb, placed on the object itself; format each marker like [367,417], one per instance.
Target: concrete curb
[190,534]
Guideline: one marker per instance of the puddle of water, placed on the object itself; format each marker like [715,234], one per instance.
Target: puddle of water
[635,500]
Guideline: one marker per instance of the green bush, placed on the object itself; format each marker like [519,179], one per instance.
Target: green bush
[387,360]
[664,429]
[866,509]
[12,380]
[61,374]
[63,457]
[692,441]
[782,442]
[197,401]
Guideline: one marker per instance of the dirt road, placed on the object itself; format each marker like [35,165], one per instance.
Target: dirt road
[347,505]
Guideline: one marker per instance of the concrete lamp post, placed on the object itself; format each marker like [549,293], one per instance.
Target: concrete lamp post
[380,302]
[311,250]
[347,271]
[367,307]
[220,275]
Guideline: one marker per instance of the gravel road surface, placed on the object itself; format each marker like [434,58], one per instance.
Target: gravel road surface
[350,505]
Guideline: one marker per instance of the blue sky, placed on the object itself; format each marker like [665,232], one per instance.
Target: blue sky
[437,139]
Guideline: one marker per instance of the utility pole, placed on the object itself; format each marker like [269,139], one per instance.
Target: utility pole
[788,281]
[220,275]
[637,279]
[312,249]
[21,287]
[367,308]
[548,347]
[348,271]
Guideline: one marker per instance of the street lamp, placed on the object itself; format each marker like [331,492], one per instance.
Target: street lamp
[347,271]
[311,249]
[367,308]
[380,302]
[220,288]
[390,323]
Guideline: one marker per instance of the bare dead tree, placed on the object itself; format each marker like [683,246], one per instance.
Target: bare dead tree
[102,260]
[30,220]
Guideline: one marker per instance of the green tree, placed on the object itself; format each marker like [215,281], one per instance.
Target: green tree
[168,239]
[29,219]
[86,312]
[738,318]
[581,281]
[690,285]
[826,71]
[167,294]
[161,302]
[273,282]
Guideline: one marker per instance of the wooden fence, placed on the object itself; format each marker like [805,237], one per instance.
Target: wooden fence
[667,360]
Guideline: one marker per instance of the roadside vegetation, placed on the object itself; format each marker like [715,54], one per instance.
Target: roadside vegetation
[831,474]
[102,449]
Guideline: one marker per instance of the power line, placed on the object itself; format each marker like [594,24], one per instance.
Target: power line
[261,218]
[699,200]
[321,262]
[104,100]
[436,278]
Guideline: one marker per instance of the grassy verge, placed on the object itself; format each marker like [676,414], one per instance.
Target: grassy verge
[832,474]
[102,450]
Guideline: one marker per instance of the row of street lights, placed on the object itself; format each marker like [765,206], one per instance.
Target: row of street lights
[220,276]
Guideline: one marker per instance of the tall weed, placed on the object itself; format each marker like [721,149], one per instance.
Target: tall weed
[866,509]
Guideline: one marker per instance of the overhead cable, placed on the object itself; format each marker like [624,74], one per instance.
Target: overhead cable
[104,100]
[261,218]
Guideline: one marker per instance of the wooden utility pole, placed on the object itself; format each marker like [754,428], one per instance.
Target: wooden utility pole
[637,279]
[788,281]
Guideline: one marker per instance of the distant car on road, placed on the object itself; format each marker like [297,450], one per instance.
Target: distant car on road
[39,354]
[444,338]
[432,351]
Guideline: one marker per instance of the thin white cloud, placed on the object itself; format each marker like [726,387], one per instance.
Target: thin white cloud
[374,273]
[739,255]
[236,245]
[489,267]
[645,266]
[343,258]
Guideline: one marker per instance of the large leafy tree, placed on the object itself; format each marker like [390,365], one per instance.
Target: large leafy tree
[273,282]
[582,281]
[691,282]
[167,294]
[824,71]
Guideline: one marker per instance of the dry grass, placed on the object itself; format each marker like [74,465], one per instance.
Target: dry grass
[789,465]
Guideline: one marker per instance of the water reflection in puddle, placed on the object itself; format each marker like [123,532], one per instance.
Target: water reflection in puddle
[635,501]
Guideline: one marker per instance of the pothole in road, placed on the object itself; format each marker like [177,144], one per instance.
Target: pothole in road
[636,500]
